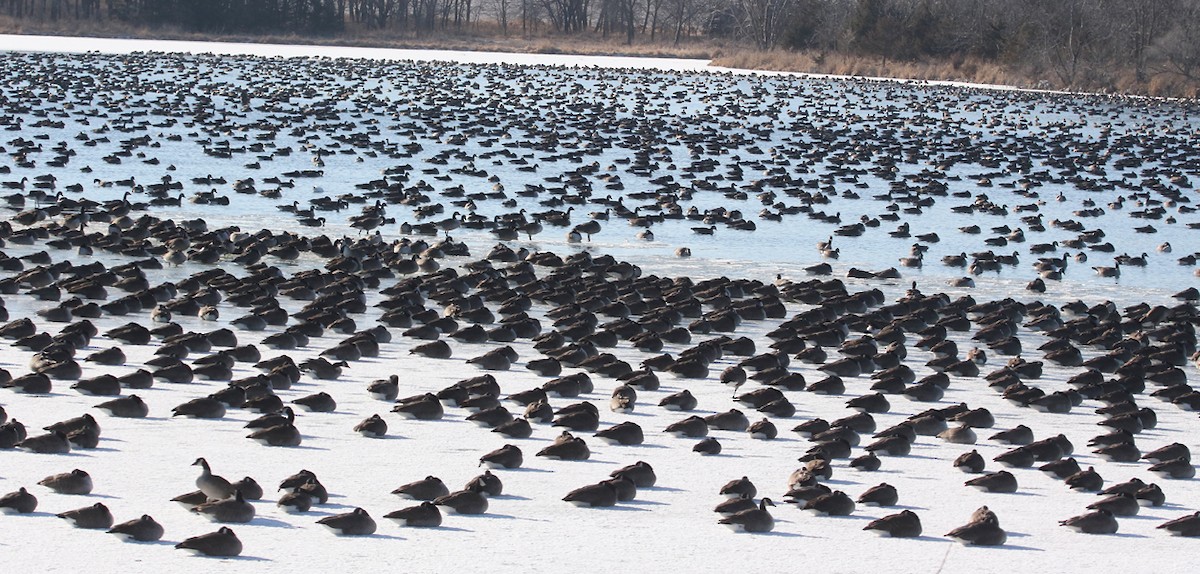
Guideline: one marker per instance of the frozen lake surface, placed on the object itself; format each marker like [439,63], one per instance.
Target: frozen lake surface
[517,137]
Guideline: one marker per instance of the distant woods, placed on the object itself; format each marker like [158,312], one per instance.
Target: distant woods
[1133,45]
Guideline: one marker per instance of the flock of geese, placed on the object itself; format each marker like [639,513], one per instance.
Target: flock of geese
[534,151]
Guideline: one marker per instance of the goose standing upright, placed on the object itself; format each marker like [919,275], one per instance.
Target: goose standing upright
[213,486]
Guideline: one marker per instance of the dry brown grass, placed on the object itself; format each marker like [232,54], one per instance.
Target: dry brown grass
[966,70]
[957,70]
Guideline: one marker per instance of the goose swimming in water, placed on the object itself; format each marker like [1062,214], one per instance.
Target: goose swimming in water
[1114,271]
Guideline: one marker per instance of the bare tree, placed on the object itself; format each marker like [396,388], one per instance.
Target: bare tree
[1141,23]
[765,20]
[1177,51]
[1066,37]
[684,15]
[501,8]
[567,15]
[377,13]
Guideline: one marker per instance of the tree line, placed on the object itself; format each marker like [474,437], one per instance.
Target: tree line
[1068,42]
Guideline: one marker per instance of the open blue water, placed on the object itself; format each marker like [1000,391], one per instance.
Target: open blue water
[828,136]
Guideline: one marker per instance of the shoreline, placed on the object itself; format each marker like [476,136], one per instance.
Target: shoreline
[122,45]
[719,57]
[12,42]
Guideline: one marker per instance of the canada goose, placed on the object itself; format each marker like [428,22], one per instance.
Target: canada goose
[680,401]
[641,474]
[426,489]
[354,523]
[738,488]
[249,488]
[1188,525]
[623,399]
[1096,522]
[215,487]
[223,542]
[284,415]
[625,433]
[1120,504]
[103,385]
[96,516]
[74,482]
[1002,481]
[735,505]
[600,494]
[50,443]
[295,502]
[970,462]
[582,416]
[131,406]
[1114,271]
[18,502]
[234,509]
[494,360]
[1018,435]
[191,499]
[691,427]
[463,502]
[566,448]
[284,434]
[763,429]
[836,503]
[983,530]
[507,456]
[731,420]
[385,389]
[420,407]
[1178,468]
[882,494]
[372,427]
[905,524]
[1169,452]
[868,462]
[752,520]
[319,402]
[322,369]
[1019,457]
[424,515]
[708,447]
[975,418]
